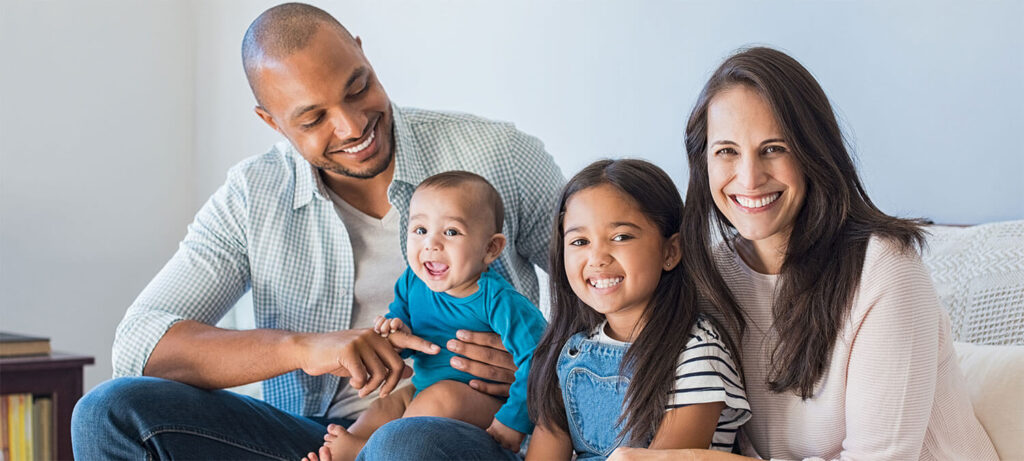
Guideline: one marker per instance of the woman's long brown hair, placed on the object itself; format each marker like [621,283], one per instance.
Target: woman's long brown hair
[823,261]
[672,311]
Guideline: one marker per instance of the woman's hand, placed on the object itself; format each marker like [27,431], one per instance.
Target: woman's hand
[483,356]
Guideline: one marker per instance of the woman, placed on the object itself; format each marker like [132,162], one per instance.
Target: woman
[847,353]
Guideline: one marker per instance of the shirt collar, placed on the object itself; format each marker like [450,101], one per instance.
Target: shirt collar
[308,183]
[408,164]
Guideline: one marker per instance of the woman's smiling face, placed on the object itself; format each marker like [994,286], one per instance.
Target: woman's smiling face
[754,176]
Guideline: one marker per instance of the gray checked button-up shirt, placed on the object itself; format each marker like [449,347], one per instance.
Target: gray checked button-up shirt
[270,228]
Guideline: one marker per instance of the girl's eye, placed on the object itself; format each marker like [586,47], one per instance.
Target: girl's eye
[451,232]
[621,238]
[774,149]
[420,230]
[578,242]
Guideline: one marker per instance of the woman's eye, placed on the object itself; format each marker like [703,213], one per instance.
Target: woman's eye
[774,149]
[451,232]
[725,151]
[419,230]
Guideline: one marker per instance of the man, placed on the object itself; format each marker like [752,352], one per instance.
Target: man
[314,227]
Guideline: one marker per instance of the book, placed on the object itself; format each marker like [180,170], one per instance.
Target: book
[5,432]
[42,428]
[12,345]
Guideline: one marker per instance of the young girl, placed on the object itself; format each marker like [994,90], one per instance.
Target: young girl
[626,359]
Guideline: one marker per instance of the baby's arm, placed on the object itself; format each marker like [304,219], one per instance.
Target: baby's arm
[510,439]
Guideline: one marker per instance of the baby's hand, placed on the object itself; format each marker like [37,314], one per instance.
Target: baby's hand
[509,438]
[385,326]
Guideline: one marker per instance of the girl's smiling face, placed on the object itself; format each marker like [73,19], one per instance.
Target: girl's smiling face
[614,255]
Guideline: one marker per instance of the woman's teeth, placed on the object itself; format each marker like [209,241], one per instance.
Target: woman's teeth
[361,145]
[605,283]
[759,202]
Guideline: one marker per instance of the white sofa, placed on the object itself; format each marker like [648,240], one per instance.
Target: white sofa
[979,275]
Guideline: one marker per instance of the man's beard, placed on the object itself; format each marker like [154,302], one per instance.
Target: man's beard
[370,172]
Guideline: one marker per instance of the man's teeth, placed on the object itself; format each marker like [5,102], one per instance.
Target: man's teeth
[605,283]
[361,145]
[758,203]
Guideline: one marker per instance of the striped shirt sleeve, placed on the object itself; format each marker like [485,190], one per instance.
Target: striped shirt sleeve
[706,373]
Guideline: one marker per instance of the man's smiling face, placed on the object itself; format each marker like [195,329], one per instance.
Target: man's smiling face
[326,99]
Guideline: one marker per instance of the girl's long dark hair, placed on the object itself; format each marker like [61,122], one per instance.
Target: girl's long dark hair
[823,260]
[670,315]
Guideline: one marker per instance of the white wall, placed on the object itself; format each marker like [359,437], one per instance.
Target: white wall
[120,118]
[96,163]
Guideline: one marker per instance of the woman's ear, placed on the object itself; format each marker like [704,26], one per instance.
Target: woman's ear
[494,248]
[673,252]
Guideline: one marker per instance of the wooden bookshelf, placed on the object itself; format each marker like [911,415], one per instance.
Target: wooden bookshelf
[58,376]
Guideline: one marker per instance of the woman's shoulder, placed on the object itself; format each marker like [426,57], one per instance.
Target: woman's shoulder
[887,261]
[893,277]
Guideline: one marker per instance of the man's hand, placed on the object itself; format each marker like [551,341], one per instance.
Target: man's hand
[510,439]
[485,357]
[368,360]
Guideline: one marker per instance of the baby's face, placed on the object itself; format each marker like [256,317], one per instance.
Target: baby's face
[448,239]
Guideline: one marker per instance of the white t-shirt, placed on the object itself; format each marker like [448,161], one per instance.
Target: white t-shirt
[377,252]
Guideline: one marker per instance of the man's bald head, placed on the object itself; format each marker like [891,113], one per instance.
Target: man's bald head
[281,31]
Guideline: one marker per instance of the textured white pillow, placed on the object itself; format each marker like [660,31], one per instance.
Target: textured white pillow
[995,380]
[979,276]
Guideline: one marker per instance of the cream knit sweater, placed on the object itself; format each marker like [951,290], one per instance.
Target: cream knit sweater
[893,389]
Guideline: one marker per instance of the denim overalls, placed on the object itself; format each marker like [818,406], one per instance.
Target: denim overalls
[593,392]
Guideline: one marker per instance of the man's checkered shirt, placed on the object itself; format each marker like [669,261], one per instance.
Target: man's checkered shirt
[272,228]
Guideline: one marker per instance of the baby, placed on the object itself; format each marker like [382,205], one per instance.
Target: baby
[454,233]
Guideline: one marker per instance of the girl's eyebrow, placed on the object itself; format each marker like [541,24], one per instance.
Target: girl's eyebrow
[612,226]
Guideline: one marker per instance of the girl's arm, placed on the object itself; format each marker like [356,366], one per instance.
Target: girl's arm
[691,426]
[643,454]
[548,444]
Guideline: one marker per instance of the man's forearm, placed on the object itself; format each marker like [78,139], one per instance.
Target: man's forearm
[214,358]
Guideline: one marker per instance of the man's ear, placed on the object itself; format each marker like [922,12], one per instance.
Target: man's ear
[673,252]
[267,118]
[494,247]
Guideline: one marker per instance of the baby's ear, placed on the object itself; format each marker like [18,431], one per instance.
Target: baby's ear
[673,252]
[494,247]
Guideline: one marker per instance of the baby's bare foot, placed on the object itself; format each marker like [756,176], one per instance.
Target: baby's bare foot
[340,445]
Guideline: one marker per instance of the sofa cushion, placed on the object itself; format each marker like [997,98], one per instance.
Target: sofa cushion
[994,377]
[979,275]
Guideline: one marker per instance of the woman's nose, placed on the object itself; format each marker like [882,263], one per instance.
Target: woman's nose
[751,172]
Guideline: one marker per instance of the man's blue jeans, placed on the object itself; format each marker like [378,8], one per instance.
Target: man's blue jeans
[153,418]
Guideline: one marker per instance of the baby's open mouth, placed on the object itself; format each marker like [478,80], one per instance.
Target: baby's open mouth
[435,269]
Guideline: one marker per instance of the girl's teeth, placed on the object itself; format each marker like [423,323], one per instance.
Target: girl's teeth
[361,145]
[605,283]
[758,203]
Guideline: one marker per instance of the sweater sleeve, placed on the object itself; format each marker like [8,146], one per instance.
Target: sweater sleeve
[892,370]
[520,325]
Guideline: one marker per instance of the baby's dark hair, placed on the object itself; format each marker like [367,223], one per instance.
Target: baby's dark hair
[670,314]
[457,178]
